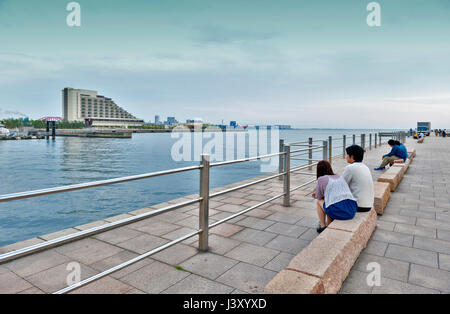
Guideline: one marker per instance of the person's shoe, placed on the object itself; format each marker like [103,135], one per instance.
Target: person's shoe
[320,229]
[379,168]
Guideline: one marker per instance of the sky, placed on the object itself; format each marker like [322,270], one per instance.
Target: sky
[304,63]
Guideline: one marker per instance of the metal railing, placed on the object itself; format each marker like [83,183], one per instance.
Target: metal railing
[366,141]
[286,154]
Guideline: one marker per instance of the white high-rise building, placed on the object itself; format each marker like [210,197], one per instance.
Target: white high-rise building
[82,105]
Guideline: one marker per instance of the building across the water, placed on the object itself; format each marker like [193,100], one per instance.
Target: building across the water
[283,126]
[171,121]
[82,105]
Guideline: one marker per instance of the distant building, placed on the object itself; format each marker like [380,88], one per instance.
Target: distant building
[171,120]
[80,105]
[195,120]
[157,119]
[283,127]
[233,124]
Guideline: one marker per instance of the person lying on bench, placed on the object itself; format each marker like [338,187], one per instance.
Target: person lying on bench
[334,198]
[359,179]
[397,152]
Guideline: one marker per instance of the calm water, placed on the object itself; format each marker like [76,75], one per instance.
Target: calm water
[37,164]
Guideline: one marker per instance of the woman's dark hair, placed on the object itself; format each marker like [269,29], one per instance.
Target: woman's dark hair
[324,168]
[391,142]
[356,151]
[397,143]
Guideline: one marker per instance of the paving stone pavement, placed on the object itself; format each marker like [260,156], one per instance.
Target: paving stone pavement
[412,242]
[248,251]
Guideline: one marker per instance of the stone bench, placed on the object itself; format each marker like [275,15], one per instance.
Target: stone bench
[382,192]
[404,166]
[392,176]
[326,262]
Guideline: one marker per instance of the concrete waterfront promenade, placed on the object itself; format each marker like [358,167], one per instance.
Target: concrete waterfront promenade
[248,251]
[412,239]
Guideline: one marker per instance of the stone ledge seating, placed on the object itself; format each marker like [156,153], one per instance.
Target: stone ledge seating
[404,166]
[395,174]
[326,262]
[392,176]
[412,154]
[382,193]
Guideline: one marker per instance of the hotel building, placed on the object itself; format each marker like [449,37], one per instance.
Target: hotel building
[81,105]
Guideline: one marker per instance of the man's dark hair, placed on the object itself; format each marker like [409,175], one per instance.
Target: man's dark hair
[355,151]
[397,143]
[391,142]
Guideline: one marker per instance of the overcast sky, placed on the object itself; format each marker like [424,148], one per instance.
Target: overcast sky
[305,63]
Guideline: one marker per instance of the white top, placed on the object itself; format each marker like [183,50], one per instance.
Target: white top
[337,190]
[359,179]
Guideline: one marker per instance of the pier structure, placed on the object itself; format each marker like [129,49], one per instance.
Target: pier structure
[256,228]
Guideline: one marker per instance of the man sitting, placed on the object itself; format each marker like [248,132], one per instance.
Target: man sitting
[359,179]
[398,151]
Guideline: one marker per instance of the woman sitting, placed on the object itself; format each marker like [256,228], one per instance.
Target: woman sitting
[334,198]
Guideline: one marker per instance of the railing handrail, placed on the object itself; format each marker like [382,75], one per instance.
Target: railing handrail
[86,185]
[91,231]
[205,195]
[229,162]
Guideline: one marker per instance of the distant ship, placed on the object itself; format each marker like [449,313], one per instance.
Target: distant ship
[3,130]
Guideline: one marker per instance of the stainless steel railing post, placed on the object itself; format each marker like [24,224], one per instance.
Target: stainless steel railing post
[325,150]
[363,141]
[380,139]
[344,144]
[310,153]
[287,176]
[370,140]
[330,149]
[354,139]
[280,161]
[375,140]
[204,203]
